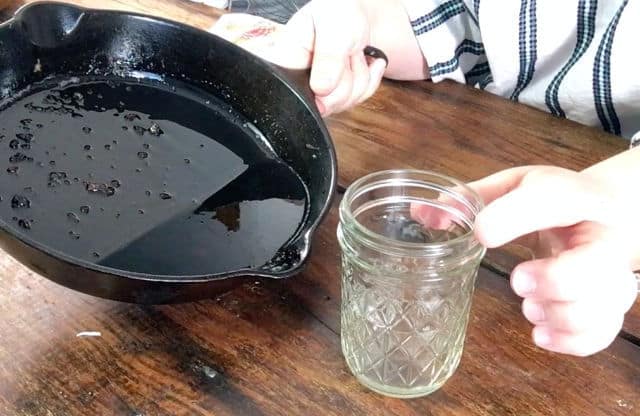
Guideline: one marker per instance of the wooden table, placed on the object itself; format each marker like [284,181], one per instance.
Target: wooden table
[274,348]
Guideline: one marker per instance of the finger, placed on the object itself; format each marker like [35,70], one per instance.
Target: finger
[494,186]
[360,71]
[561,198]
[455,205]
[431,216]
[335,43]
[449,205]
[571,317]
[339,96]
[575,275]
[376,73]
[581,344]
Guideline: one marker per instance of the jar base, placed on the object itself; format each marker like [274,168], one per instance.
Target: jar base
[404,392]
[397,392]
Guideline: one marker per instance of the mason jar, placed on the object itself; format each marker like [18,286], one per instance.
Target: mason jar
[409,264]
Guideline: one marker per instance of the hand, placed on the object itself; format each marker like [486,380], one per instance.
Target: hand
[330,35]
[581,284]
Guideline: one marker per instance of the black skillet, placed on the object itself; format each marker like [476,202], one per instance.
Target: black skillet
[78,209]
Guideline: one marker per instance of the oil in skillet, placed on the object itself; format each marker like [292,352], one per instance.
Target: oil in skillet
[142,178]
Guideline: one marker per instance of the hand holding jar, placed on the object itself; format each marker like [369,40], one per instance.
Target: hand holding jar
[583,232]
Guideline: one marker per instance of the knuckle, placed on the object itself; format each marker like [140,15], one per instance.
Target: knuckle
[539,176]
[346,30]
[560,317]
[336,100]
[558,283]
[553,177]
[573,317]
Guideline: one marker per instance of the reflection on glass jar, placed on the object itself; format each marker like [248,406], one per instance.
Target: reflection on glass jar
[409,262]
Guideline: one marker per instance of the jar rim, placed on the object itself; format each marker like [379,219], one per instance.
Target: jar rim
[470,198]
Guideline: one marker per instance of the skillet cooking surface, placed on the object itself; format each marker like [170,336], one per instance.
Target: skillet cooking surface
[144,177]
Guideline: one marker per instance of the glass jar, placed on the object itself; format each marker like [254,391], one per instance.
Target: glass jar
[409,263]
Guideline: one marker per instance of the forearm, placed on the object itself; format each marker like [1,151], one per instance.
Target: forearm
[392,32]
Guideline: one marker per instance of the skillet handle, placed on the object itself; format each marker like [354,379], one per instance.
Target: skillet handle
[300,77]
[376,53]
[289,260]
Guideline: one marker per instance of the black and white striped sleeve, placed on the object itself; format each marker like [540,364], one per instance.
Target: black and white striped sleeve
[449,36]
[572,58]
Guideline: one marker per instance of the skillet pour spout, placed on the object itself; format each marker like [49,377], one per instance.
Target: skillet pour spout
[63,47]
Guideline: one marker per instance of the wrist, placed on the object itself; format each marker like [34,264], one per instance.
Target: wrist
[391,31]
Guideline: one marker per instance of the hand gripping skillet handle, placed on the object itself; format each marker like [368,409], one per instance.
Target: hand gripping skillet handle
[300,77]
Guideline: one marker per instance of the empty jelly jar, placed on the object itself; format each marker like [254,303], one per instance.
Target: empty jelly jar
[409,263]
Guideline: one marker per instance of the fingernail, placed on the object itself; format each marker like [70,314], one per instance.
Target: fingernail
[523,284]
[541,337]
[534,312]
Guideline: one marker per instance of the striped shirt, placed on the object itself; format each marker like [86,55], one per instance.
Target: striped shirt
[577,59]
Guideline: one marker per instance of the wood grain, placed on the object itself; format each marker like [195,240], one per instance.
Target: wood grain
[272,348]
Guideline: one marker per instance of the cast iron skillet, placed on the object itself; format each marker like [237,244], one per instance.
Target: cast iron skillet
[55,39]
